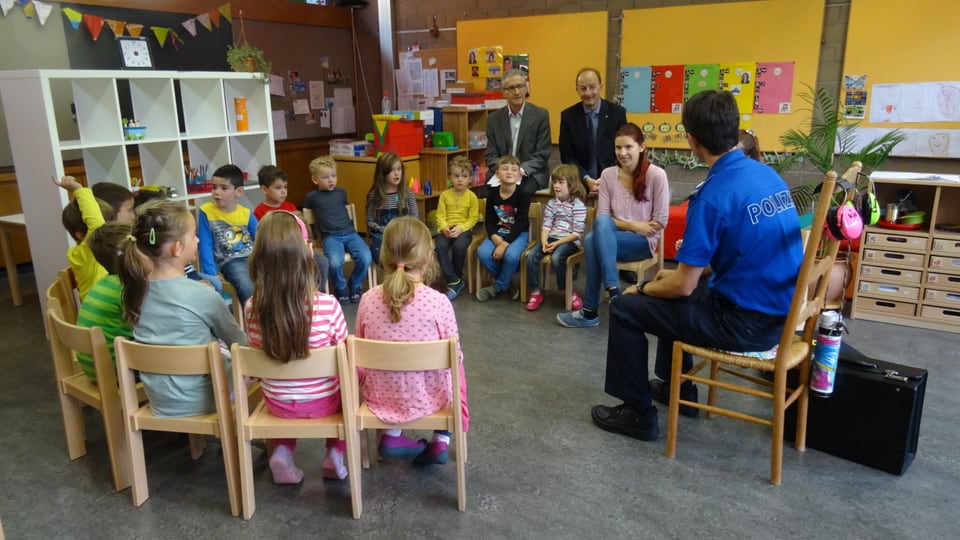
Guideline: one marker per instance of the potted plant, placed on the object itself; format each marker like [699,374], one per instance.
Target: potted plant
[247,58]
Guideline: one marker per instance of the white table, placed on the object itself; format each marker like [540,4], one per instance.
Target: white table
[8,223]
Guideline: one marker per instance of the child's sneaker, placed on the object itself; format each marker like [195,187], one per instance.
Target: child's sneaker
[436,453]
[282,466]
[576,303]
[453,289]
[534,303]
[400,447]
[333,466]
[343,297]
[486,293]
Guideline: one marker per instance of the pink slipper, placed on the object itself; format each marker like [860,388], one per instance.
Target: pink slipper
[283,469]
[534,302]
[333,466]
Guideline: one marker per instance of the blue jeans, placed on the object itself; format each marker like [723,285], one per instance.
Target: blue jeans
[214,280]
[502,270]
[558,260]
[235,271]
[604,247]
[452,253]
[334,247]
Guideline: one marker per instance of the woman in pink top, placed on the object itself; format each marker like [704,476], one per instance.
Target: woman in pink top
[404,308]
[632,210]
[286,317]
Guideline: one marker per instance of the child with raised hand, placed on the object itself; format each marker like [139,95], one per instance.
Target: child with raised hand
[273,183]
[81,217]
[388,198]
[286,318]
[118,197]
[404,308]
[167,308]
[457,214]
[335,229]
[226,231]
[506,225]
[561,233]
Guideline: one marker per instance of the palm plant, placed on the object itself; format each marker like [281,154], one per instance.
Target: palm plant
[831,140]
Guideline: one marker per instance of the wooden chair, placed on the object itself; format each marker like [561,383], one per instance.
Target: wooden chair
[68,296]
[574,259]
[258,423]
[310,221]
[411,356]
[176,360]
[533,236]
[76,390]
[479,233]
[641,267]
[793,351]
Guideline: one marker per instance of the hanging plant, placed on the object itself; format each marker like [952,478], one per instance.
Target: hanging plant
[246,58]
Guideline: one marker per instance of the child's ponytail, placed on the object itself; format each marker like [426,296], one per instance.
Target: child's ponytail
[407,246]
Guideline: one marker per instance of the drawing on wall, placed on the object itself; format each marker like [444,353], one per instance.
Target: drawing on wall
[939,144]
[948,103]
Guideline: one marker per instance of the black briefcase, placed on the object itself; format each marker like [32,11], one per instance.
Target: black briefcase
[873,415]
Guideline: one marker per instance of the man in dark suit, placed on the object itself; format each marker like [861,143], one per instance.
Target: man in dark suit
[587,129]
[520,129]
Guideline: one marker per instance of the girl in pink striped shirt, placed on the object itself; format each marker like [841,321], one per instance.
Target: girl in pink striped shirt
[286,317]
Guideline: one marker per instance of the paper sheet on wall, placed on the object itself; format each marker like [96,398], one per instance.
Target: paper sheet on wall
[636,88]
[666,89]
[773,90]
[279,125]
[431,85]
[276,85]
[700,77]
[343,97]
[738,78]
[343,120]
[915,102]
[300,106]
[447,76]
[316,95]
[324,118]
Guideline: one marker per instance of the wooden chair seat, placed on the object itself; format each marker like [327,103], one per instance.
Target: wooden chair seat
[575,258]
[310,220]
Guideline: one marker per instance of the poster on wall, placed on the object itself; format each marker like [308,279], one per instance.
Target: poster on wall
[774,88]
[635,83]
[700,77]
[738,78]
[666,89]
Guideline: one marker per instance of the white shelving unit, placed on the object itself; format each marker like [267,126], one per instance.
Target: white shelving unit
[40,148]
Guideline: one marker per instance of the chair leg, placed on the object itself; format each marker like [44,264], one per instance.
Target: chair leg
[713,390]
[364,448]
[673,413]
[247,493]
[803,407]
[568,287]
[197,445]
[73,428]
[523,280]
[461,470]
[139,490]
[353,472]
[776,451]
[117,446]
[231,466]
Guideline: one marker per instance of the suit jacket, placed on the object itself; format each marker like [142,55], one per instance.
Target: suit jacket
[573,135]
[533,144]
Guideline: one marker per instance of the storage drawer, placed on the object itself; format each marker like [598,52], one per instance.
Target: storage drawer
[942,298]
[946,246]
[937,313]
[886,307]
[950,264]
[889,290]
[916,260]
[896,241]
[882,273]
[943,281]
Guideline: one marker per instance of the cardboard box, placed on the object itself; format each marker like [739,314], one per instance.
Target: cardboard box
[348,147]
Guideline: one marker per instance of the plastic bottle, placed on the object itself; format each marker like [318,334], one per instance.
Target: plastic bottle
[826,354]
[427,188]
[385,105]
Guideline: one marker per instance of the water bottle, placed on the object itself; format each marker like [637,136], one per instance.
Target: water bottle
[427,188]
[827,353]
[385,104]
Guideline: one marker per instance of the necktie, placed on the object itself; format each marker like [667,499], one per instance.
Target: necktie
[591,144]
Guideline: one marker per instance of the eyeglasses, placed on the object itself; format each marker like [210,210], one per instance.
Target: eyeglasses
[515,87]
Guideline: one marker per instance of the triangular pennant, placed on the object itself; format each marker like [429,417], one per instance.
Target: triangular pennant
[94,24]
[204,19]
[161,34]
[29,11]
[134,29]
[73,16]
[5,6]
[175,39]
[116,27]
[225,11]
[191,26]
[215,17]
[43,11]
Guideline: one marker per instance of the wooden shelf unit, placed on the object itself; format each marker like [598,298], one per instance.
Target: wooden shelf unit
[460,121]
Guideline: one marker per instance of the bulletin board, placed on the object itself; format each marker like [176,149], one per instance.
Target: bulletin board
[554,60]
[902,55]
[770,31]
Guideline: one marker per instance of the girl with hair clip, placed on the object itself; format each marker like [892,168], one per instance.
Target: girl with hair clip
[750,144]
[286,317]
[404,308]
[167,308]
[388,199]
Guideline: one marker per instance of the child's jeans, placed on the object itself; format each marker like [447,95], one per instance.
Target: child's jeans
[452,253]
[502,270]
[558,259]
[334,247]
[235,271]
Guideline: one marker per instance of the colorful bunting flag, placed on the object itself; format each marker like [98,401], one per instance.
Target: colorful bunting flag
[191,26]
[73,16]
[215,17]
[134,29]
[43,11]
[6,5]
[28,11]
[94,24]
[225,11]
[161,34]
[115,26]
[204,19]
[175,39]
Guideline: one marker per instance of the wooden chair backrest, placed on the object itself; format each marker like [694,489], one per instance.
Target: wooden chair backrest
[66,340]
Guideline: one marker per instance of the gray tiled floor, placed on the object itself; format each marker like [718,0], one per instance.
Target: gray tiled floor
[538,468]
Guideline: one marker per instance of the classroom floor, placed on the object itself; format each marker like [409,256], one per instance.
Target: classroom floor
[538,467]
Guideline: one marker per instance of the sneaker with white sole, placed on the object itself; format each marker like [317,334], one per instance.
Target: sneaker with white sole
[486,293]
[575,319]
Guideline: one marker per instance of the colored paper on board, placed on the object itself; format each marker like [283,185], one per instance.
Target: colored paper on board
[700,77]
[666,89]
[774,88]
[134,29]
[73,16]
[738,79]
[191,26]
[43,11]
[94,24]
[115,26]
[7,5]
[635,82]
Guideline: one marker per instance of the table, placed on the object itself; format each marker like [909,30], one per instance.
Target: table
[8,223]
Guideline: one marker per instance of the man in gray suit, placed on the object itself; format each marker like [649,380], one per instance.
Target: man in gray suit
[520,129]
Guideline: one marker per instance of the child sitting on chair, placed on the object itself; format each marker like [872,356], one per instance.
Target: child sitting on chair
[457,214]
[506,224]
[388,199]
[405,308]
[81,217]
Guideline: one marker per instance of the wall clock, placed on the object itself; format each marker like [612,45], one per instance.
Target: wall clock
[135,53]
